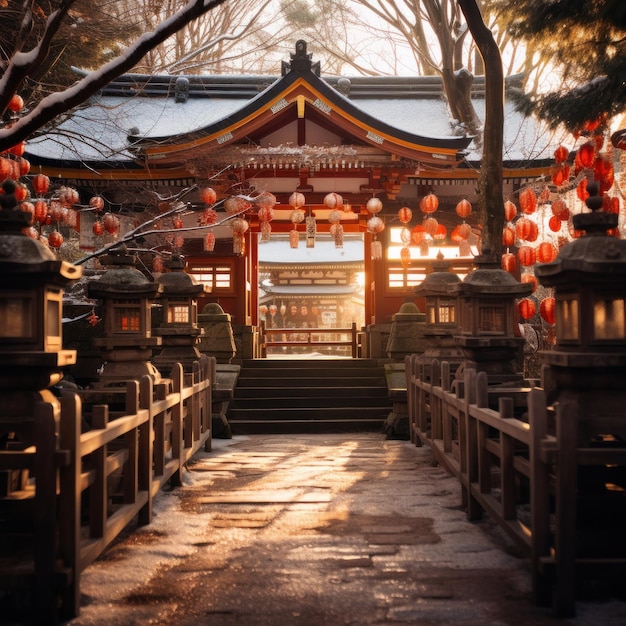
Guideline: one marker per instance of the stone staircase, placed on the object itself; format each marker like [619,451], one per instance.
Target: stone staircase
[309,395]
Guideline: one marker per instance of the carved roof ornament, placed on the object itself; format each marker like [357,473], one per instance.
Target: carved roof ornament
[301,61]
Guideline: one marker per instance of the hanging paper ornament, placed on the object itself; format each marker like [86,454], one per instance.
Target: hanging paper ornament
[265,199]
[177,221]
[97,203]
[297,199]
[111,224]
[310,227]
[405,257]
[463,208]
[560,175]
[41,184]
[239,225]
[546,309]
[527,308]
[296,216]
[55,239]
[31,232]
[376,249]
[294,238]
[374,206]
[16,103]
[586,154]
[429,203]
[405,236]
[209,242]
[266,231]
[464,230]
[527,256]
[334,217]
[581,189]
[510,211]
[235,205]
[97,228]
[208,195]
[509,262]
[266,214]
[405,214]
[71,218]
[336,230]
[554,224]
[523,228]
[465,248]
[209,216]
[508,236]
[239,243]
[546,252]
[375,225]
[41,210]
[528,200]
[561,154]
[28,207]
[333,200]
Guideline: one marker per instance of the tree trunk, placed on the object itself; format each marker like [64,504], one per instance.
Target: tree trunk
[491,199]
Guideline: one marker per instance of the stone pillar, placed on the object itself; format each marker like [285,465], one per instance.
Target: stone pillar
[407,332]
[218,339]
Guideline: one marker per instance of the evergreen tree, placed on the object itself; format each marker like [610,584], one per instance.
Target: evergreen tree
[586,40]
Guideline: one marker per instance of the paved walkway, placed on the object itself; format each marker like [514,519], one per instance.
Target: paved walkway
[317,530]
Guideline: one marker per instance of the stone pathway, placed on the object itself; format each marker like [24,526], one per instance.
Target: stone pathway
[317,530]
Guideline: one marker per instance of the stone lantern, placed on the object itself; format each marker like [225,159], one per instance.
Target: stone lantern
[32,358]
[589,280]
[127,343]
[442,316]
[405,337]
[218,339]
[179,330]
[489,329]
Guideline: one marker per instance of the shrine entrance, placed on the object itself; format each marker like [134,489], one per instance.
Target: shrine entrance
[311,299]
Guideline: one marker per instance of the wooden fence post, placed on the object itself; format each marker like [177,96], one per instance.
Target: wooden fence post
[145,449]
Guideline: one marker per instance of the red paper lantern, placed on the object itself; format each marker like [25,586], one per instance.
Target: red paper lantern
[523,228]
[41,210]
[463,208]
[465,230]
[405,214]
[55,239]
[527,256]
[554,223]
[333,200]
[508,236]
[560,175]
[546,252]
[455,235]
[16,103]
[97,203]
[111,224]
[510,211]
[208,195]
[546,309]
[581,190]
[527,308]
[528,200]
[610,204]
[429,203]
[5,168]
[97,228]
[586,154]
[509,262]
[41,184]
[561,154]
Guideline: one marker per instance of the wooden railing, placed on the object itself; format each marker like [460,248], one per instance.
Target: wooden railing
[82,485]
[310,338]
[518,460]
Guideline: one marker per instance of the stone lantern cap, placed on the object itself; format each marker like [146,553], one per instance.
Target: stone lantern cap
[213,312]
[439,281]
[122,278]
[178,282]
[408,312]
[489,279]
